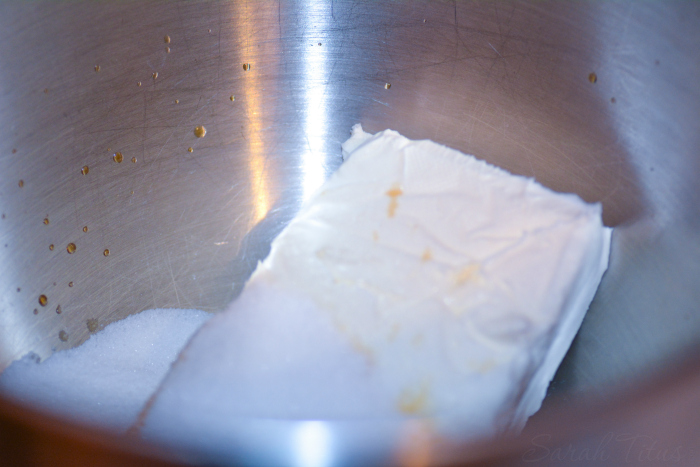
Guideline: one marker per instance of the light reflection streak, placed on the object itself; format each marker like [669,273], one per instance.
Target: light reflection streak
[252,99]
[315,63]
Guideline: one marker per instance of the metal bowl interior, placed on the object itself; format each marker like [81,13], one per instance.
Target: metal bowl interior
[598,99]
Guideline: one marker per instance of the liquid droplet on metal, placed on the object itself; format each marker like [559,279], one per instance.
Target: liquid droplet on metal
[200,131]
[92,324]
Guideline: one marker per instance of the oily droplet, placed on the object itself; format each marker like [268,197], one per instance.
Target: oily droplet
[106,252]
[118,158]
[246,66]
[167,50]
[43,301]
[167,39]
[209,31]
[232,98]
[63,335]
[177,101]
[190,149]
[51,247]
[97,68]
[155,74]
[200,131]
[132,192]
[71,248]
[21,183]
[387,86]
[85,229]
[70,284]
[138,83]
[133,160]
[46,221]
[92,324]
[592,77]
[85,170]
[58,310]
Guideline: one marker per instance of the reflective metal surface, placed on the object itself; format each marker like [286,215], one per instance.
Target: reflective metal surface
[600,99]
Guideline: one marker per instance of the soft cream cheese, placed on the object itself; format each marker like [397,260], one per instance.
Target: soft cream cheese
[418,281]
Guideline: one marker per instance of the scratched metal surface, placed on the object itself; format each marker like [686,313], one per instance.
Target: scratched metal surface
[507,82]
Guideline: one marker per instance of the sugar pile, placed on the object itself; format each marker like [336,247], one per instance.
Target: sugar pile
[107,380]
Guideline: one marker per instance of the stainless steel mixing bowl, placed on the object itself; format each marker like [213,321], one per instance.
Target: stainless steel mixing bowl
[599,99]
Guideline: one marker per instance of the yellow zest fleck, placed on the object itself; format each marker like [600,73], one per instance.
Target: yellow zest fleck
[427,255]
[413,402]
[394,194]
[467,274]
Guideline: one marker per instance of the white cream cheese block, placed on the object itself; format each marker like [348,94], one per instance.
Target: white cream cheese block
[417,282]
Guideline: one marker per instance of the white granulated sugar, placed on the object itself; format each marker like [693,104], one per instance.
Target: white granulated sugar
[107,380]
[417,282]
